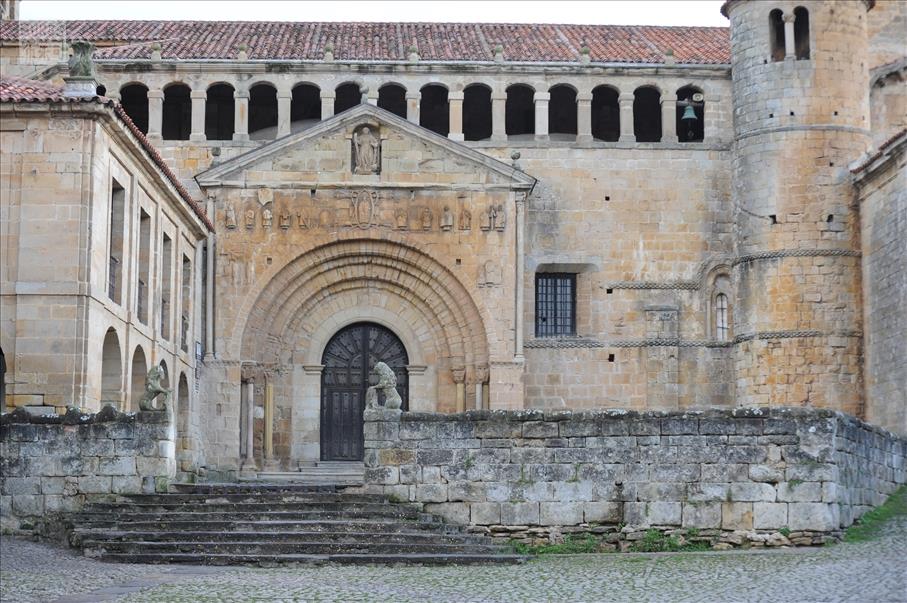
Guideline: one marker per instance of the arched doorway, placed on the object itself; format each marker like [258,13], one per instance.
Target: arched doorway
[139,373]
[348,360]
[112,371]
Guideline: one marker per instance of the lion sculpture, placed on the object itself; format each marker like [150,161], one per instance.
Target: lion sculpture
[153,389]
[387,383]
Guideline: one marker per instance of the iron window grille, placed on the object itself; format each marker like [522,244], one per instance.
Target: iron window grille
[555,305]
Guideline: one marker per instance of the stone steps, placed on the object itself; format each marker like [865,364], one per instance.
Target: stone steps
[274,523]
[303,559]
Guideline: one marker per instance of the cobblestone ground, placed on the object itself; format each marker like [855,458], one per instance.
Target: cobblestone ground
[865,572]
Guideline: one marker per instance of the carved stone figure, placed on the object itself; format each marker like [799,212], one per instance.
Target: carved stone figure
[401,219]
[489,274]
[80,63]
[362,209]
[302,217]
[426,218]
[230,218]
[326,218]
[500,218]
[153,389]
[447,220]
[465,219]
[285,220]
[366,152]
[266,217]
[387,383]
[250,219]
[487,222]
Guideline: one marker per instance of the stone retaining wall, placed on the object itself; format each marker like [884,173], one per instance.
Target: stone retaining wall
[54,464]
[802,472]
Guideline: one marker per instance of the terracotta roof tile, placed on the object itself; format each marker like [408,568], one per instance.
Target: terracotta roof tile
[447,42]
[21,90]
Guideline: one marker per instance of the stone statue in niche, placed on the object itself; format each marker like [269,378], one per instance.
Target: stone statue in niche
[266,217]
[230,218]
[426,218]
[153,389]
[447,220]
[387,383]
[284,220]
[487,221]
[302,217]
[489,274]
[500,218]
[250,219]
[465,219]
[366,151]
[401,219]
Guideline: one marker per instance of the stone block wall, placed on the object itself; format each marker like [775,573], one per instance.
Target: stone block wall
[754,471]
[55,464]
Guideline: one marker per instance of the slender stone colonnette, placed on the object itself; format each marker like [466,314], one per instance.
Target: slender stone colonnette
[767,476]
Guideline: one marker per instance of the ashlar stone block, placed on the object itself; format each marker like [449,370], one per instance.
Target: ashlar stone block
[769,516]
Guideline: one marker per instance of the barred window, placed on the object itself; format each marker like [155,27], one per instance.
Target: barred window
[721,328]
[555,305]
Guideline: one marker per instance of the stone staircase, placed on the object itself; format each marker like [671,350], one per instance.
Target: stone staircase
[276,523]
[322,473]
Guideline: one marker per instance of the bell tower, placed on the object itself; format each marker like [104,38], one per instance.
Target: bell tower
[801,115]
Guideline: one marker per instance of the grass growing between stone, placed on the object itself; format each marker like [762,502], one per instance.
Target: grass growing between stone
[870,525]
[571,545]
[657,542]
[653,542]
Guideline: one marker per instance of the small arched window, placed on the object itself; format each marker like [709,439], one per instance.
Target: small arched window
[719,323]
[801,33]
[262,112]
[305,106]
[721,317]
[776,34]
[134,100]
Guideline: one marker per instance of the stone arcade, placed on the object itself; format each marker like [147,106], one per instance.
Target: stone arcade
[663,222]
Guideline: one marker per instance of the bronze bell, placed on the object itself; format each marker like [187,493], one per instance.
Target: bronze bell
[688,113]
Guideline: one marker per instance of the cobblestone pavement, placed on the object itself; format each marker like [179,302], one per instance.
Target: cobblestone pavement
[865,572]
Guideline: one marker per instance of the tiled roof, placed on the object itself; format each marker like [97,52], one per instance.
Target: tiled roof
[21,90]
[446,42]
[898,138]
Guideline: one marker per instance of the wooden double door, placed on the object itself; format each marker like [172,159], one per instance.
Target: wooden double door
[349,359]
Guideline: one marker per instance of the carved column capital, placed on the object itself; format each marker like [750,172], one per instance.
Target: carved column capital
[458,373]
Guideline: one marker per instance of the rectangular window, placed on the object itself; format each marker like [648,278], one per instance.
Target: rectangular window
[115,257]
[185,306]
[555,305]
[144,274]
[166,285]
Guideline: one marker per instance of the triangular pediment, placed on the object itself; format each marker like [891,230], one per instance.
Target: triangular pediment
[365,146]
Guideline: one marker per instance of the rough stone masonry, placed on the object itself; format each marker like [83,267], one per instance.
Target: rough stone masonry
[748,470]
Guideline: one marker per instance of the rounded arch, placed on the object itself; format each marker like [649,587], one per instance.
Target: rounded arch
[223,83]
[262,82]
[690,124]
[392,97]
[606,113]
[347,96]
[520,110]
[165,373]
[174,84]
[220,111]
[139,372]
[177,111]
[647,113]
[112,370]
[567,85]
[134,100]
[288,310]
[305,106]
[434,83]
[434,108]
[562,110]
[477,111]
[182,413]
[306,83]
[262,110]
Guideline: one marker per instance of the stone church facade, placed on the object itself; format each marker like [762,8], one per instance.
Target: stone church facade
[512,217]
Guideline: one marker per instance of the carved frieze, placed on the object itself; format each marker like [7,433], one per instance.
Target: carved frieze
[447,220]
